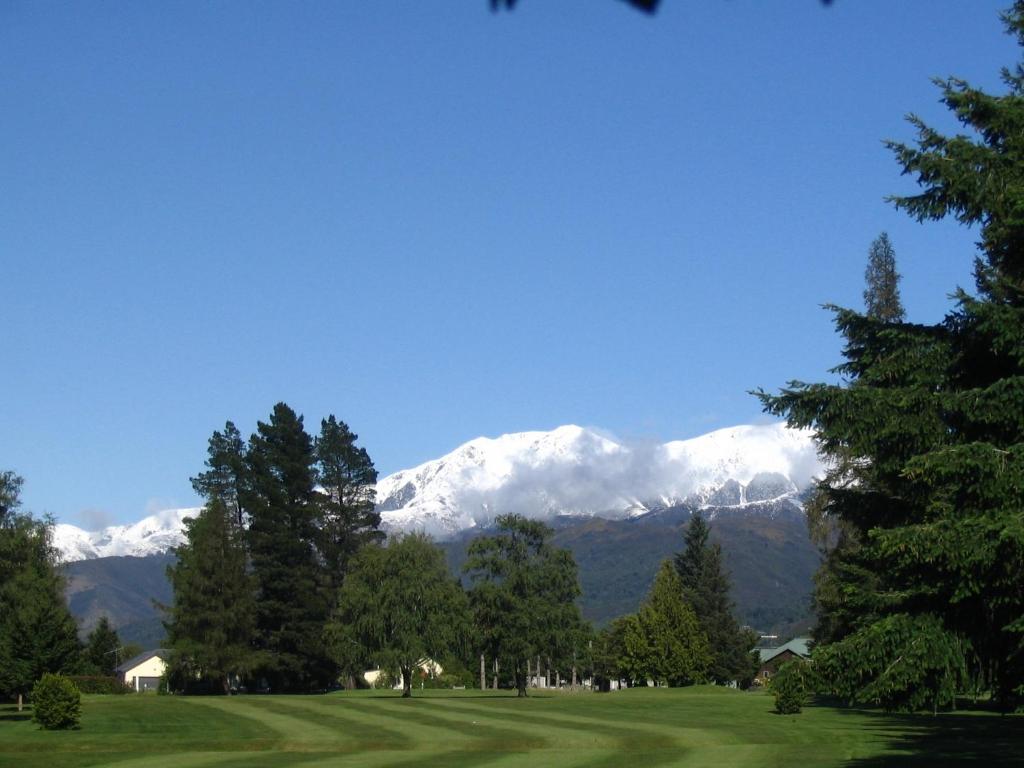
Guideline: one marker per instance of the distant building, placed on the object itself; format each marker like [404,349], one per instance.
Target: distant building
[143,673]
[773,658]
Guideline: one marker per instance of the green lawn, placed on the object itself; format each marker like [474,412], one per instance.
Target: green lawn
[645,727]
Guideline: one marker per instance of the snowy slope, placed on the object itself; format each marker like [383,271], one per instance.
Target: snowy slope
[150,536]
[567,471]
[576,471]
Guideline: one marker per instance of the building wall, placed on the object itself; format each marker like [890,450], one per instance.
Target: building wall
[153,667]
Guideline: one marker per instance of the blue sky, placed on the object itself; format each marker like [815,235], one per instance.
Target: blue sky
[438,222]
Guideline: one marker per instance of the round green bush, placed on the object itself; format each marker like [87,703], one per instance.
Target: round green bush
[56,703]
[792,686]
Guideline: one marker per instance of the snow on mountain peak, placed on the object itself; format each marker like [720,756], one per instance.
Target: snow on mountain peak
[570,470]
[150,536]
[576,471]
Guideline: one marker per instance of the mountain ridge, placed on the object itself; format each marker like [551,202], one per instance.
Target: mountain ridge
[567,471]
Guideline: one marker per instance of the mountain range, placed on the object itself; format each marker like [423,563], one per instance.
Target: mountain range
[569,471]
[620,506]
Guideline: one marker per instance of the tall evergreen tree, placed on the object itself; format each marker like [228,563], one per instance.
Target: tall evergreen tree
[37,632]
[664,641]
[705,586]
[523,594]
[211,622]
[101,653]
[882,290]
[931,424]
[293,600]
[225,475]
[348,482]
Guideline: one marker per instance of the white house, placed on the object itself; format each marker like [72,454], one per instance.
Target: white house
[143,673]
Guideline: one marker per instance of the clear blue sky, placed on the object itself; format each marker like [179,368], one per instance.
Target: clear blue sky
[438,222]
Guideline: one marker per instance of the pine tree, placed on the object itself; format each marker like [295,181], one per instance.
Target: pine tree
[37,632]
[348,479]
[211,622]
[225,476]
[882,291]
[705,586]
[664,641]
[929,429]
[293,598]
[102,648]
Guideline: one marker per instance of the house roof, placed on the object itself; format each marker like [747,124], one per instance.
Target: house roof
[162,653]
[797,646]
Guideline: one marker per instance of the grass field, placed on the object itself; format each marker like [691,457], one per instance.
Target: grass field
[643,727]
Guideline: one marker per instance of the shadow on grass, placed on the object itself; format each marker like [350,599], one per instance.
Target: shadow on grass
[946,739]
[10,714]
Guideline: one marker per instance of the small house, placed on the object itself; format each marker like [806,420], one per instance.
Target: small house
[143,672]
[773,658]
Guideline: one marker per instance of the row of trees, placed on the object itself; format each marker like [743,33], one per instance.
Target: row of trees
[257,578]
[284,582]
[38,635]
[922,593]
[685,631]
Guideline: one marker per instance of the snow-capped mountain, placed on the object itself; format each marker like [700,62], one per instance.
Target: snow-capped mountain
[150,536]
[577,471]
[567,471]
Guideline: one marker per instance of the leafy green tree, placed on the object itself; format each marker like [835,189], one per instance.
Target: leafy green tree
[293,598]
[399,606]
[348,482]
[37,632]
[523,594]
[706,588]
[663,641]
[882,290]
[928,427]
[102,649]
[211,622]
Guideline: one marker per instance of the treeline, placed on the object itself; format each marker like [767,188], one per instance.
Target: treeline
[38,635]
[286,583]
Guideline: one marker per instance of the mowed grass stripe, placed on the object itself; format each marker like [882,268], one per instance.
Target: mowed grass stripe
[363,726]
[293,732]
[624,737]
[503,737]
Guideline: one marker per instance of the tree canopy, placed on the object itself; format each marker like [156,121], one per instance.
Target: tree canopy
[928,428]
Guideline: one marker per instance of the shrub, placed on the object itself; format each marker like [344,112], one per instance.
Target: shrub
[99,684]
[792,686]
[56,703]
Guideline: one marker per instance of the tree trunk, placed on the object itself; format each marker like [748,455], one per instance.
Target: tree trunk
[483,674]
[520,680]
[351,683]
[20,702]
[495,686]
[529,680]
[226,683]
[406,682]
[573,675]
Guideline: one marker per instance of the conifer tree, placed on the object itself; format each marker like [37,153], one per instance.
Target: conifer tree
[348,481]
[293,600]
[929,426]
[664,641]
[37,632]
[212,619]
[882,291]
[705,586]
[225,476]
[100,656]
